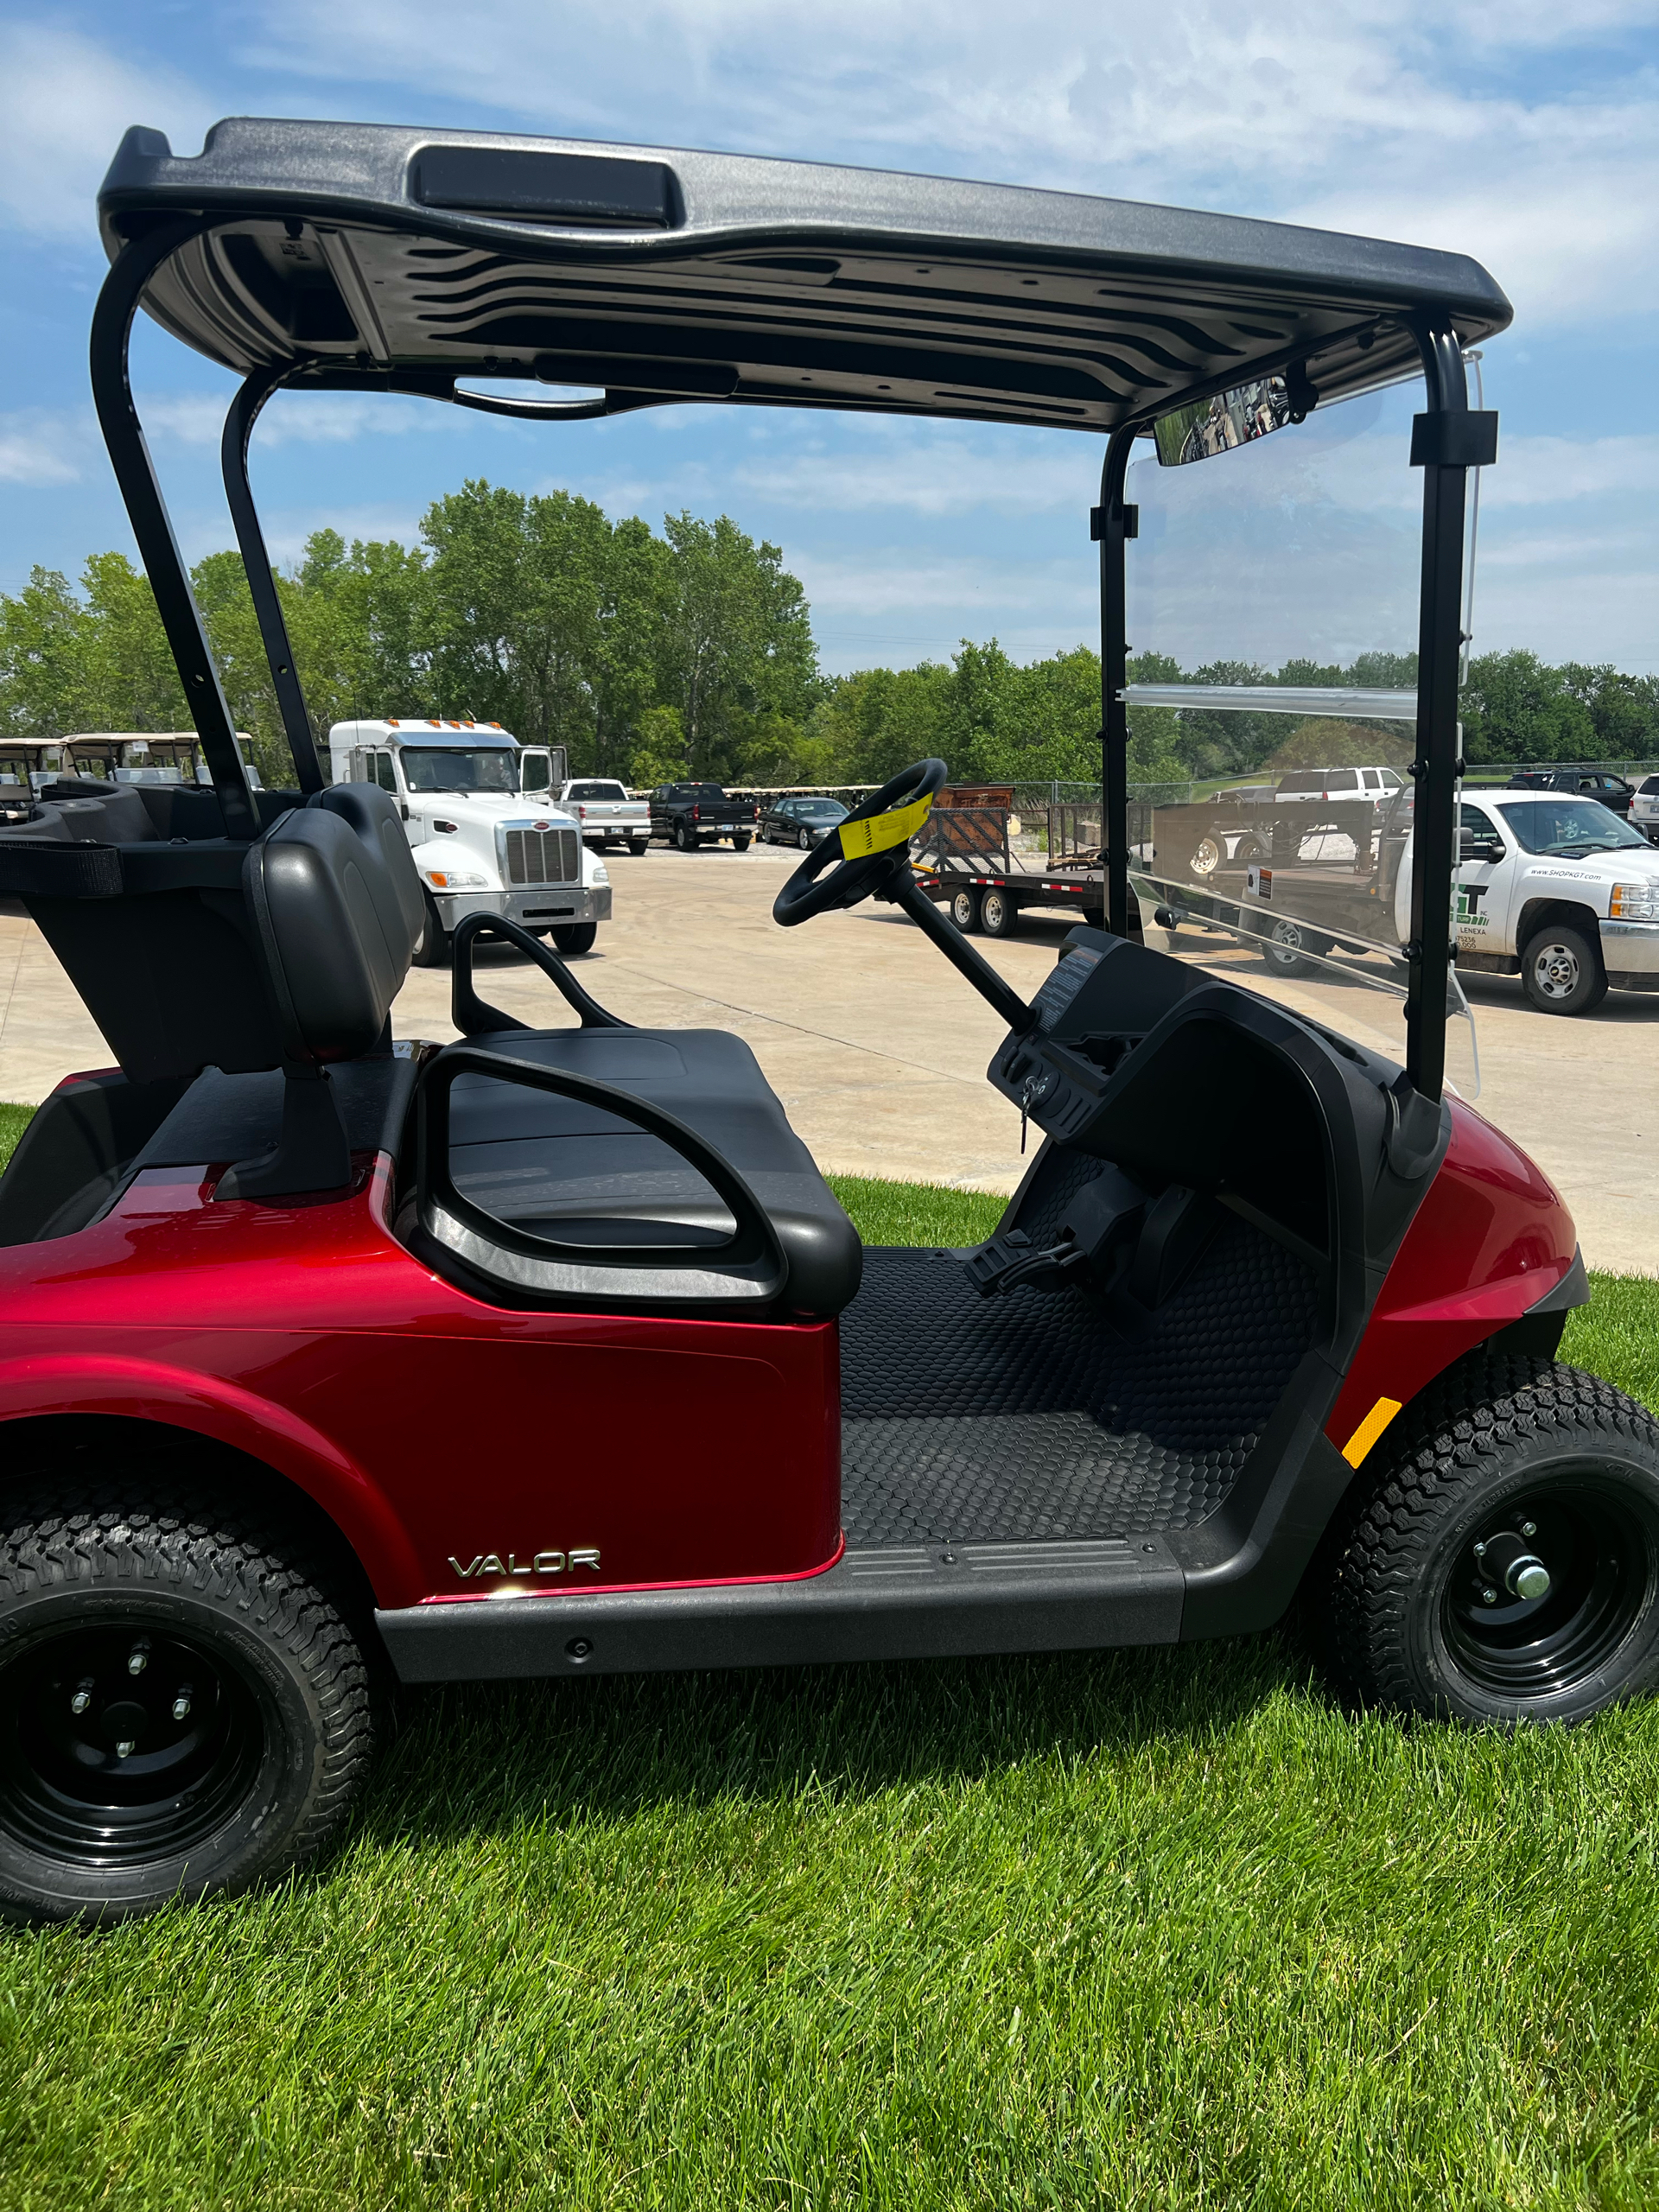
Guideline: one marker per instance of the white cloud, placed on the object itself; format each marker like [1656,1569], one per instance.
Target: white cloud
[1535,472]
[43,446]
[65,102]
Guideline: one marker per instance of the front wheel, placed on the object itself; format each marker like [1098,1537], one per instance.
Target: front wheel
[997,914]
[805,841]
[1205,857]
[432,951]
[576,936]
[964,911]
[183,1711]
[1502,1565]
[1561,971]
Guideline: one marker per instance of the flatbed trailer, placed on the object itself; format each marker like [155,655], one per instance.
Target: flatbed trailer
[966,860]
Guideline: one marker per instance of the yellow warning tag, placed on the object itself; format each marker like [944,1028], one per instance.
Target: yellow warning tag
[878,832]
[1369,1429]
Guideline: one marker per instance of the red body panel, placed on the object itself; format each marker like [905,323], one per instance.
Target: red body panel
[1491,1238]
[426,1423]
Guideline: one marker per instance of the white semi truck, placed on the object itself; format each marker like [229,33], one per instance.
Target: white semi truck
[486,832]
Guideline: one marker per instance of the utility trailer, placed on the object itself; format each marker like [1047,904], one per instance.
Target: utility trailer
[964,858]
[1271,1316]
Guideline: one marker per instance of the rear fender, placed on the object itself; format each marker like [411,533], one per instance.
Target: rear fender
[207,1406]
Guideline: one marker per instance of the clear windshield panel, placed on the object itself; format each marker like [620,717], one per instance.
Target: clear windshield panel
[1567,829]
[459,768]
[1274,603]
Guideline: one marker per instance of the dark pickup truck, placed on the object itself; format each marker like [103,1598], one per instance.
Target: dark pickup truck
[688,815]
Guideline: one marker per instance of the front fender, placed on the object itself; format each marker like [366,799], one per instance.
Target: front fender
[62,1385]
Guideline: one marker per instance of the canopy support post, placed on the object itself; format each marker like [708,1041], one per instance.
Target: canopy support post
[1114,526]
[267,606]
[1448,440]
[123,435]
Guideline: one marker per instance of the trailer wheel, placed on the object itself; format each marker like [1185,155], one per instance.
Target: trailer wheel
[1206,857]
[1504,1565]
[183,1711]
[964,911]
[997,914]
[432,951]
[1561,971]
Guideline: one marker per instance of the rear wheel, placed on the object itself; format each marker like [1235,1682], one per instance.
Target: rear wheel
[576,936]
[684,838]
[964,911]
[1504,1566]
[740,844]
[637,846]
[997,914]
[1292,949]
[432,951]
[1561,971]
[183,1710]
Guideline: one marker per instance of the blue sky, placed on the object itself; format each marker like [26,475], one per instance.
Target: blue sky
[1523,133]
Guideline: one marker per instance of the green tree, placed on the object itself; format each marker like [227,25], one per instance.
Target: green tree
[45,645]
[1515,707]
[736,652]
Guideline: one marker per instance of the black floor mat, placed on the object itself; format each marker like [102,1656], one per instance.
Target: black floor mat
[981,1420]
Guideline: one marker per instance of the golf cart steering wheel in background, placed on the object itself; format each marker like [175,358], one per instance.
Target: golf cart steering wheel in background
[869,849]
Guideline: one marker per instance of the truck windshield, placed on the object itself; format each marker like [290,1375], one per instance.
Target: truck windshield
[1565,828]
[459,768]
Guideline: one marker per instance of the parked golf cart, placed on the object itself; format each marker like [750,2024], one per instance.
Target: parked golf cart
[1268,1314]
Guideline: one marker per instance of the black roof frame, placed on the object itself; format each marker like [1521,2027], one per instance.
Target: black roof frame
[676,236]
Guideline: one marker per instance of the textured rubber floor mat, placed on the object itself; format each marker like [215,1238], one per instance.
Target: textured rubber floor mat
[981,1421]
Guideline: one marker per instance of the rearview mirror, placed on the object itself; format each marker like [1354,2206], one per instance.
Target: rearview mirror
[1233,418]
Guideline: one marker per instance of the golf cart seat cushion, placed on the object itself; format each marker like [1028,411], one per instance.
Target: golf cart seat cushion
[373,814]
[562,1168]
[333,925]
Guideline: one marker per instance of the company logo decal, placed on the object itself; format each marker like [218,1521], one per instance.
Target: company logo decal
[1469,917]
[539,1563]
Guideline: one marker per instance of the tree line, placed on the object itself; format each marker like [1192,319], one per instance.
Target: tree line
[690,652]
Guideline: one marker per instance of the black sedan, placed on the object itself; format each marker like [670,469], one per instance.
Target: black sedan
[804,821]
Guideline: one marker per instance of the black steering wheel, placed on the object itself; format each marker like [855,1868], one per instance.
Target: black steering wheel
[868,849]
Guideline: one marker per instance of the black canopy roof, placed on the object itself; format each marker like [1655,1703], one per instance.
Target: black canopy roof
[373,255]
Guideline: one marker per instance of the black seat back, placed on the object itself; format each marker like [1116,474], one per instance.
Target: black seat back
[200,953]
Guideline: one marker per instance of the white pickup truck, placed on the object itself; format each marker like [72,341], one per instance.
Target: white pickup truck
[1557,889]
[606,814]
[487,832]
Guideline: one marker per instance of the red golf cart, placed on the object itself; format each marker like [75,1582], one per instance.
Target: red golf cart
[307,1333]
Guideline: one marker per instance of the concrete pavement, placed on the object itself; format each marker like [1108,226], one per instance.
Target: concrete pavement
[878,1050]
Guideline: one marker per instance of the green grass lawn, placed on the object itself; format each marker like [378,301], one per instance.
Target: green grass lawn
[1147,1929]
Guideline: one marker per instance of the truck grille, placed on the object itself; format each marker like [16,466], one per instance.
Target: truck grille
[541,856]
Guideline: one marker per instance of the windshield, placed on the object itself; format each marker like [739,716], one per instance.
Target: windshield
[594,791]
[1565,828]
[820,809]
[459,768]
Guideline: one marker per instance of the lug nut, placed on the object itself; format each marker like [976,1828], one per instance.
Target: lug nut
[1480,1551]
[83,1696]
[138,1657]
[123,1749]
[1489,1596]
[181,1704]
[1528,1527]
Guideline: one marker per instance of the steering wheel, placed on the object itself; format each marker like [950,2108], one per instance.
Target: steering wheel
[868,849]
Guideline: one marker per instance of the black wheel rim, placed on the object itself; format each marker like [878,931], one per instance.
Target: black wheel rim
[123,1743]
[1599,1556]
